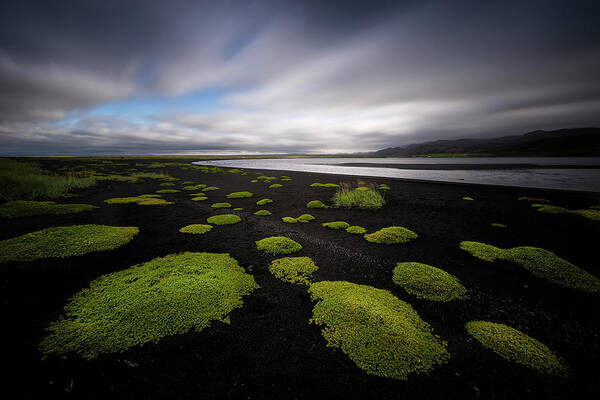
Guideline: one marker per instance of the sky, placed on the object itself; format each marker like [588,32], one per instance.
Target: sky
[250,77]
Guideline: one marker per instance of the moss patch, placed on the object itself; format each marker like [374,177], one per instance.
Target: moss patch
[336,225]
[220,205]
[326,185]
[381,334]
[141,201]
[194,187]
[289,220]
[275,186]
[497,225]
[196,229]
[589,213]
[210,188]
[147,302]
[540,262]
[239,195]
[391,235]
[533,199]
[305,218]
[263,212]
[356,230]
[254,181]
[65,241]
[167,184]
[199,198]
[224,219]
[21,208]
[278,245]
[168,191]
[468,198]
[427,282]
[383,186]
[316,204]
[238,209]
[515,346]
[264,202]
[293,269]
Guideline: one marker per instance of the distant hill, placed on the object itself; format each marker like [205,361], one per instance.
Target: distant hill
[576,142]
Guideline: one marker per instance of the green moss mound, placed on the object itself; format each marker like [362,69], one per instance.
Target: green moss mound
[168,191]
[196,229]
[305,218]
[254,181]
[515,346]
[326,185]
[316,204]
[540,262]
[240,195]
[275,186]
[147,302]
[391,235]
[139,200]
[427,282]
[65,241]
[293,269]
[533,199]
[21,208]
[263,212]
[199,198]
[210,188]
[264,202]
[238,209]
[590,213]
[381,334]
[220,205]
[468,198]
[167,184]
[356,230]
[278,245]
[194,187]
[497,225]
[224,219]
[149,196]
[383,186]
[289,220]
[336,225]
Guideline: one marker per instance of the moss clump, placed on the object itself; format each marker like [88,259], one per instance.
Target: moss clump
[21,208]
[264,202]
[168,191]
[286,179]
[533,199]
[278,245]
[293,269]
[356,230]
[267,178]
[220,205]
[289,220]
[383,186]
[540,262]
[147,302]
[263,212]
[239,195]
[65,241]
[589,213]
[497,225]
[468,198]
[316,204]
[515,346]
[199,198]
[254,181]
[194,187]
[210,188]
[141,201]
[196,229]
[238,209]
[381,334]
[305,218]
[167,184]
[223,219]
[275,185]
[391,235]
[326,185]
[149,196]
[427,282]
[336,225]
[187,183]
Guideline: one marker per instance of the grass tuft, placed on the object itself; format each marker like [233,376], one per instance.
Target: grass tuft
[196,229]
[147,302]
[427,282]
[224,219]
[293,269]
[65,241]
[336,225]
[278,245]
[362,196]
[23,208]
[391,235]
[381,334]
[239,195]
[515,346]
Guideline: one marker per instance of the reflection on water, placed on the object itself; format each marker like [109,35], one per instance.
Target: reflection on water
[550,178]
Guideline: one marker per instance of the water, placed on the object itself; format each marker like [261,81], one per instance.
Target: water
[581,173]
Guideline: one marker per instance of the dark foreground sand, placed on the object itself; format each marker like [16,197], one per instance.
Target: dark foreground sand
[269,350]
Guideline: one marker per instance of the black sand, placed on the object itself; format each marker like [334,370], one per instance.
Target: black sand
[269,350]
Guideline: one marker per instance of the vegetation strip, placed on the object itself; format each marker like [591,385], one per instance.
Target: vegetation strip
[23,208]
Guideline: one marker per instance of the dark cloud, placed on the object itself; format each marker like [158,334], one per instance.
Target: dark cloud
[293,75]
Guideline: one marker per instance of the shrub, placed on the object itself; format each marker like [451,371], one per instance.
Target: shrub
[223,219]
[381,334]
[275,185]
[468,198]
[326,185]
[22,208]
[220,205]
[515,346]
[210,188]
[305,218]
[264,202]
[391,235]
[427,282]
[336,225]
[497,225]
[540,262]
[199,198]
[65,241]
[239,195]
[278,245]
[355,229]
[142,201]
[289,220]
[196,229]
[316,204]
[147,302]
[293,269]
[363,197]
[168,191]
[263,212]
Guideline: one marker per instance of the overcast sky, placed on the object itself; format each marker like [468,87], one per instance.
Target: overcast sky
[147,77]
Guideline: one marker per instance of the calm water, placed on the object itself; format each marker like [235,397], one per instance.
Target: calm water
[540,172]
